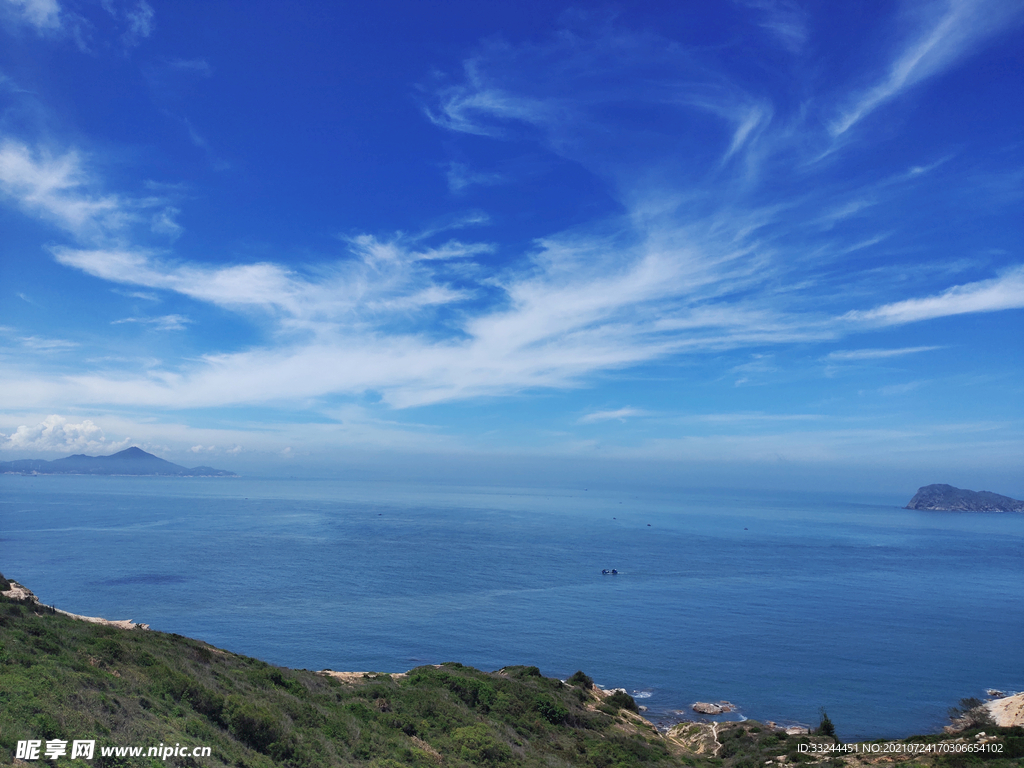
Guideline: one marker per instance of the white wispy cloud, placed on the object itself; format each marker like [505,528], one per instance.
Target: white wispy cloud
[140,23]
[783,20]
[891,390]
[470,107]
[461,176]
[946,31]
[61,188]
[752,418]
[162,323]
[755,116]
[383,278]
[57,434]
[692,262]
[559,93]
[7,83]
[42,344]
[44,15]
[56,188]
[998,293]
[620,414]
[196,66]
[163,222]
[754,370]
[577,306]
[144,295]
[876,354]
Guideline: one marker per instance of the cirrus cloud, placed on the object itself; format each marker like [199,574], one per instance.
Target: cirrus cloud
[993,295]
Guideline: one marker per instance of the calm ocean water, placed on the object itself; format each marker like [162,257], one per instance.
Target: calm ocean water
[780,603]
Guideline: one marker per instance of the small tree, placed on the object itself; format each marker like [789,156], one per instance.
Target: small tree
[972,713]
[579,678]
[826,727]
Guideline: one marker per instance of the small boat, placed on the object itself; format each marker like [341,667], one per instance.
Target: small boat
[606,572]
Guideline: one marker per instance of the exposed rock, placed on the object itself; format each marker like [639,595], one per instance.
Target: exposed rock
[707,708]
[698,738]
[16,591]
[948,498]
[1007,711]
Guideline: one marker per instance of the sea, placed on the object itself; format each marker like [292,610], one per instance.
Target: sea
[783,604]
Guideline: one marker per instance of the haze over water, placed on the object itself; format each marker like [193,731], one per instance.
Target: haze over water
[781,604]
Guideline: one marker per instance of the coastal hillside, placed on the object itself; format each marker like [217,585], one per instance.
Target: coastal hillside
[67,679]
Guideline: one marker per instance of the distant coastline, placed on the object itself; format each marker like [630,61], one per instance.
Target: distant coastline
[133,462]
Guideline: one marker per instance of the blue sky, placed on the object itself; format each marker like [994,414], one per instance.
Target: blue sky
[732,243]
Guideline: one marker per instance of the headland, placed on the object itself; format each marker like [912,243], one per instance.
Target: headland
[120,686]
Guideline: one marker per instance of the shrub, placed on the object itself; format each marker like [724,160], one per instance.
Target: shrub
[109,650]
[205,702]
[578,678]
[1013,738]
[622,700]
[168,682]
[478,747]
[47,726]
[253,725]
[551,711]
[519,672]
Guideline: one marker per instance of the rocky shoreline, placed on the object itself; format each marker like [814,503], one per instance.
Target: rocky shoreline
[23,594]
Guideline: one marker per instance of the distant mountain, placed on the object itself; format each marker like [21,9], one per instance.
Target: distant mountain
[132,461]
[946,497]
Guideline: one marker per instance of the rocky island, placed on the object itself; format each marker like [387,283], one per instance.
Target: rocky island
[948,498]
[131,461]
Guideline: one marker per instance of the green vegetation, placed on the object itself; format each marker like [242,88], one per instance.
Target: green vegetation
[67,679]
[825,726]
